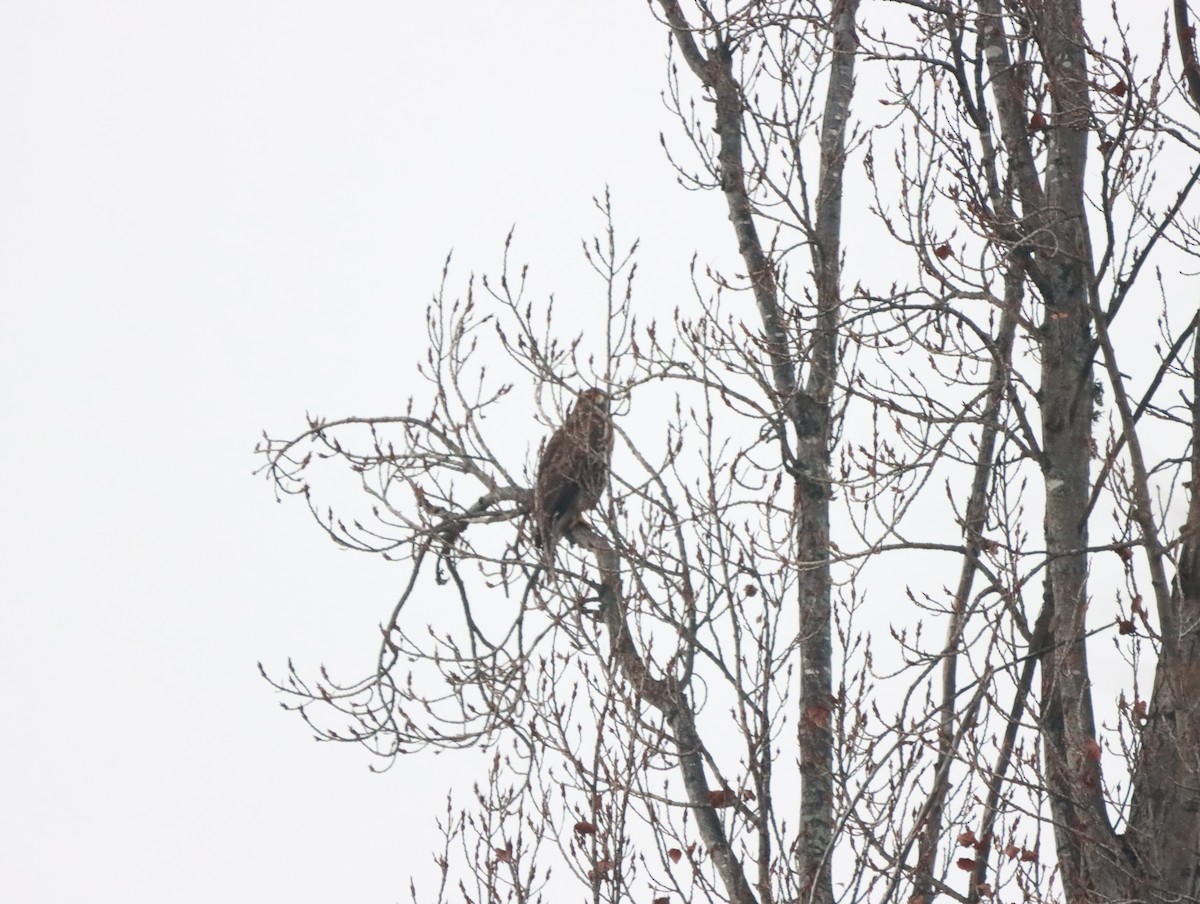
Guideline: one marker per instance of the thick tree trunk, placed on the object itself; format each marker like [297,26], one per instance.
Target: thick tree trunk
[808,409]
[1164,823]
[1158,859]
[813,422]
[1087,846]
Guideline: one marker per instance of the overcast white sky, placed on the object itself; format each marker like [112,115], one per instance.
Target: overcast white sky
[213,217]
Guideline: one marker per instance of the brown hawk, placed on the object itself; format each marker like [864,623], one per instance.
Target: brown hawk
[573,472]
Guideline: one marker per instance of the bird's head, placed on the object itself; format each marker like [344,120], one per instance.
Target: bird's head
[594,398]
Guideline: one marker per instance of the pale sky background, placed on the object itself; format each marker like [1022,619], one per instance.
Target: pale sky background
[214,217]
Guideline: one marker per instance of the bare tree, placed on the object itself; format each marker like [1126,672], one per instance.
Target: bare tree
[833,632]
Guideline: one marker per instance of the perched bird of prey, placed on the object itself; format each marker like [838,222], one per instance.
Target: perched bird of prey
[573,471]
